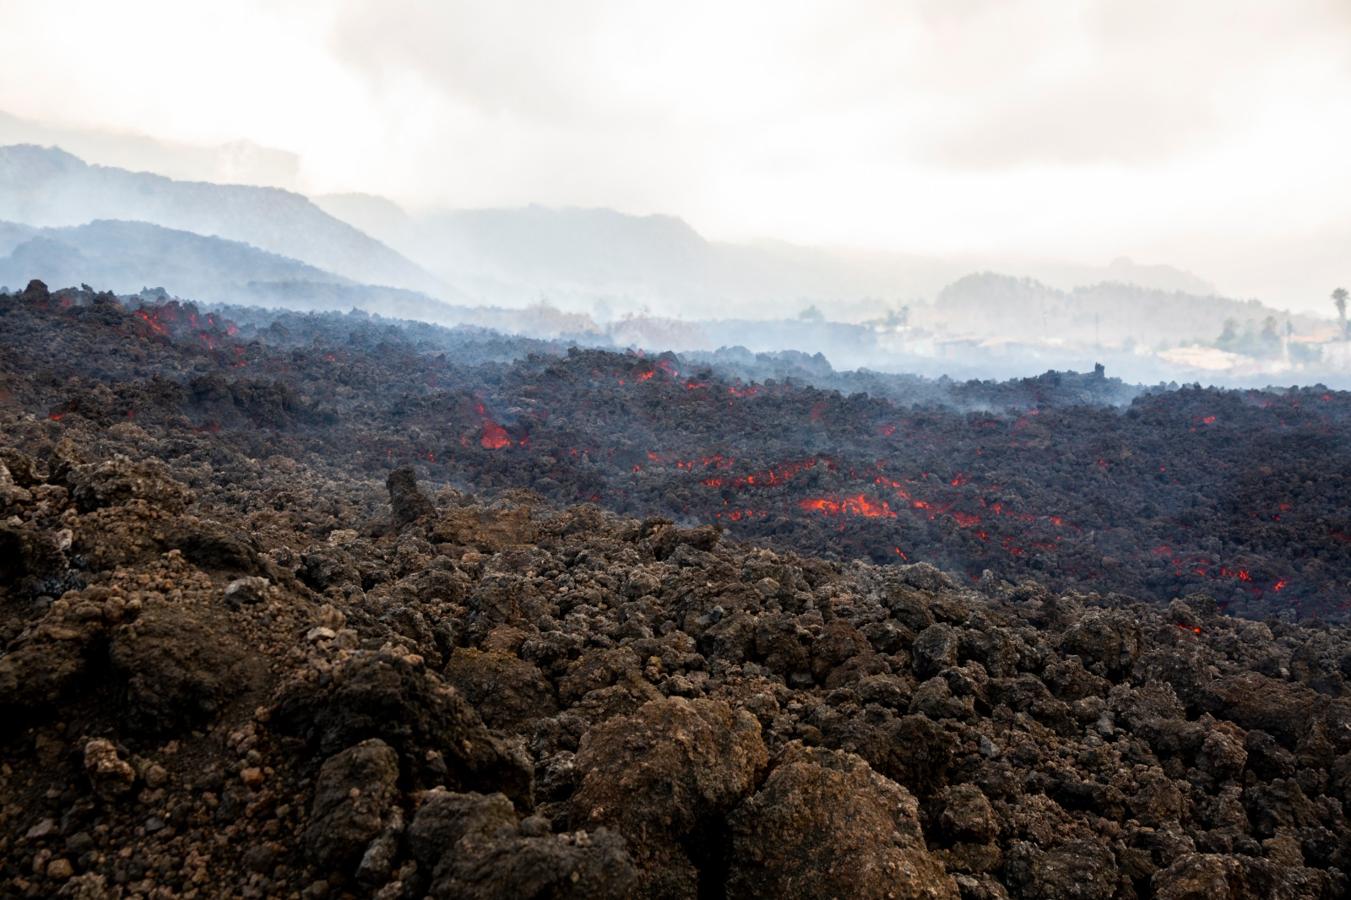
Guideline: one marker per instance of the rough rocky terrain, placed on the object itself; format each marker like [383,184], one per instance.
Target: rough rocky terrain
[1077,481]
[244,660]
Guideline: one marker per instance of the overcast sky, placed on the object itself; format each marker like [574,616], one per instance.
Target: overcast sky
[1211,134]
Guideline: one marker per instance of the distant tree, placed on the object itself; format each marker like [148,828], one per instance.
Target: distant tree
[897,318]
[1339,300]
[811,314]
[1229,334]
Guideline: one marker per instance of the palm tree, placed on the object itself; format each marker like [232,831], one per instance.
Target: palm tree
[1339,300]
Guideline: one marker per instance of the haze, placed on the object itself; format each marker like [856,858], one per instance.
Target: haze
[1211,136]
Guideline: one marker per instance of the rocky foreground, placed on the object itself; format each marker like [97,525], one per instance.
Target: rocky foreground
[226,675]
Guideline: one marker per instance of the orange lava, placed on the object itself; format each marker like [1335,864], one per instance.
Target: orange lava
[857,505]
[494,436]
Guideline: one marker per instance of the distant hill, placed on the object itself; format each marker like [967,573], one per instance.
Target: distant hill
[990,304]
[612,262]
[235,162]
[127,256]
[49,187]
[1121,270]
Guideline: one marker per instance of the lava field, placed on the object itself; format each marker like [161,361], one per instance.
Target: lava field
[259,639]
[1076,481]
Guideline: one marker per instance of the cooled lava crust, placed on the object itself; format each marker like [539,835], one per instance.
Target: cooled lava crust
[1077,481]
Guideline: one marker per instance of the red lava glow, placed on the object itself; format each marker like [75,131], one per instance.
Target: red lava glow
[712,461]
[56,417]
[647,376]
[958,480]
[743,392]
[736,515]
[901,553]
[494,436]
[1280,585]
[857,505]
[153,321]
[887,430]
[966,520]
[1208,420]
[768,478]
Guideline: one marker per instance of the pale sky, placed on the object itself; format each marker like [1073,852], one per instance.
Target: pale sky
[1209,134]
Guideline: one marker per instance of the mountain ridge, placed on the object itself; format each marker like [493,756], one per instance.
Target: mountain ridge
[49,187]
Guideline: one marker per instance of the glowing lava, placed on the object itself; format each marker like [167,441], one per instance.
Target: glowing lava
[494,436]
[857,505]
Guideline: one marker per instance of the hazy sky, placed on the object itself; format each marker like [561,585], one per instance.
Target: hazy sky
[1212,134]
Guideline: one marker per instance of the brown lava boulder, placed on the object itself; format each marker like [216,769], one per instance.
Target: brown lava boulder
[353,799]
[826,825]
[657,774]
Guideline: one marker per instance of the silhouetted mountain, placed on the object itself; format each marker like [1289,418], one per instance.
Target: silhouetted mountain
[127,256]
[49,187]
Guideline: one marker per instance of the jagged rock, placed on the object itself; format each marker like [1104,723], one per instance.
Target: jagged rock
[178,669]
[1108,643]
[569,866]
[935,649]
[825,824]
[394,697]
[406,499]
[248,591]
[507,691]
[657,774]
[967,814]
[119,481]
[353,801]
[111,776]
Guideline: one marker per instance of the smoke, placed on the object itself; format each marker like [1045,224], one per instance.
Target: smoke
[1208,134]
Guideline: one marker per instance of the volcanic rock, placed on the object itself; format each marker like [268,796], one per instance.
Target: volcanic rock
[826,824]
